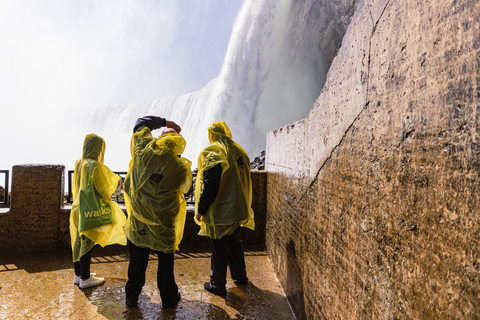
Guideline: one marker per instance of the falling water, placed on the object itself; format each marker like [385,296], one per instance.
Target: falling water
[274,69]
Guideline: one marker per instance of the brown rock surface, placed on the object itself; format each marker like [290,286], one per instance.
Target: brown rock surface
[373,200]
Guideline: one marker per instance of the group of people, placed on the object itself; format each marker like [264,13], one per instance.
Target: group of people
[154,188]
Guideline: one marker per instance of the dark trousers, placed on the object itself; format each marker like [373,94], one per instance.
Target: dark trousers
[136,274]
[82,267]
[227,251]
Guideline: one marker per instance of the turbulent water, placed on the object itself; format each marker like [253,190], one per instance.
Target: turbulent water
[274,69]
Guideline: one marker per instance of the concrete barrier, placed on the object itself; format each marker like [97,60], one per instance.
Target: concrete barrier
[38,221]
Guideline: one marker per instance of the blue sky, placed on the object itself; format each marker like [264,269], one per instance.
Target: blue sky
[60,56]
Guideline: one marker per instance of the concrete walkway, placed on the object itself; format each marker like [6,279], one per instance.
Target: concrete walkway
[40,286]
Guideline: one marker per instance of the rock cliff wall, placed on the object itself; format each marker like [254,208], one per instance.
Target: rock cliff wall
[374,199]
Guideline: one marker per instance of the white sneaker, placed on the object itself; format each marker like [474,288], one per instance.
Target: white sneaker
[91,282]
[76,279]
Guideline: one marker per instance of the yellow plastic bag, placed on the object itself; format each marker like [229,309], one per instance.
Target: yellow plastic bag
[154,188]
[90,170]
[232,205]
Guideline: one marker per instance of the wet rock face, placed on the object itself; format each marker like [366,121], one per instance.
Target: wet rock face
[258,163]
[374,199]
[320,23]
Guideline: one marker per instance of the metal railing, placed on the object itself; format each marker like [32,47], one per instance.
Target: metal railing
[118,194]
[4,196]
[190,195]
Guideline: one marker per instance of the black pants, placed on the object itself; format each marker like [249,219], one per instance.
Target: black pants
[227,251]
[136,274]
[82,267]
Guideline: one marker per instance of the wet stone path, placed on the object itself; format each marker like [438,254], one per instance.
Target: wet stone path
[40,286]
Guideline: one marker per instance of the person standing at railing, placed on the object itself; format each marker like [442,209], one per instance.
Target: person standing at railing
[223,198]
[154,190]
[94,218]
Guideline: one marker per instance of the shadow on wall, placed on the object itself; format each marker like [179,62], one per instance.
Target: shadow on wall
[294,289]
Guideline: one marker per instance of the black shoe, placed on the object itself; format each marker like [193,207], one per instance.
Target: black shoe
[240,282]
[131,303]
[174,302]
[217,291]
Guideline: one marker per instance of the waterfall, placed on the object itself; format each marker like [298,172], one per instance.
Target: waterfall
[274,69]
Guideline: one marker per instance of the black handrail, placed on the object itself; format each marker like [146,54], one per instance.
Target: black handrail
[190,195]
[5,198]
[118,195]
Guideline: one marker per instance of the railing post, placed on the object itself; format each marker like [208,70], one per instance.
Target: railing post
[6,198]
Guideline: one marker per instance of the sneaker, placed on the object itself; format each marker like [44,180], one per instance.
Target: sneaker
[91,282]
[76,279]
[217,291]
[174,302]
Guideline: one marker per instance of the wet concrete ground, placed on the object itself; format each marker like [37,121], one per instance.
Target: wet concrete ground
[40,286]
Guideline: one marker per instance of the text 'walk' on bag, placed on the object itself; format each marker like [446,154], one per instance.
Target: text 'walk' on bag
[94,211]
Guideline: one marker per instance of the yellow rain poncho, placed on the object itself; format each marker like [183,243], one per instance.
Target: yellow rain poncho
[232,205]
[90,169]
[154,188]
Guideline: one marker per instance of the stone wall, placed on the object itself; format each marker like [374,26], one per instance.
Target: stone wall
[374,199]
[33,223]
[37,220]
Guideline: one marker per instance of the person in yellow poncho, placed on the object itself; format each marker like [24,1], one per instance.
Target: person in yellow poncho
[91,172]
[155,185]
[223,193]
